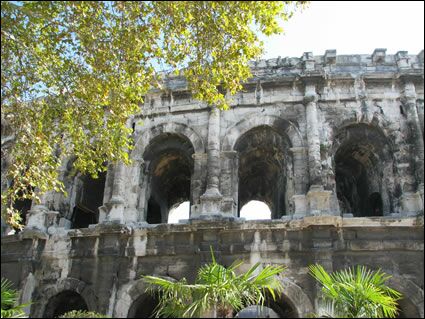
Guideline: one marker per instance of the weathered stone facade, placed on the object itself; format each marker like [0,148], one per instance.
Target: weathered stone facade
[334,145]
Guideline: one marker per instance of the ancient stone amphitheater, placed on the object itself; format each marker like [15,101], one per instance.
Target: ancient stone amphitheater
[333,144]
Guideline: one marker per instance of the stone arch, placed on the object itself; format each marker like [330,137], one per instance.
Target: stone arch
[412,303]
[266,165]
[293,297]
[168,168]
[380,121]
[363,162]
[129,295]
[274,122]
[72,285]
[168,127]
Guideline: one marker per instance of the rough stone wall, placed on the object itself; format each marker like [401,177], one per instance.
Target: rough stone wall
[333,144]
[104,264]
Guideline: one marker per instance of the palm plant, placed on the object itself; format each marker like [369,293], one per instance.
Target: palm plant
[9,298]
[356,293]
[82,314]
[217,291]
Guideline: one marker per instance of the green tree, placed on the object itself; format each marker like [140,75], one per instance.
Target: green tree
[218,291]
[355,293]
[9,299]
[74,72]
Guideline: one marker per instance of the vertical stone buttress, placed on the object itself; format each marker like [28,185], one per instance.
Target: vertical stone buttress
[299,199]
[115,205]
[211,199]
[414,202]
[313,139]
[318,199]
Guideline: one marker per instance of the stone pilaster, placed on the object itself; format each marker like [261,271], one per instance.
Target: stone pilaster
[318,199]
[314,165]
[299,155]
[212,198]
[229,182]
[197,182]
[131,213]
[414,202]
[113,211]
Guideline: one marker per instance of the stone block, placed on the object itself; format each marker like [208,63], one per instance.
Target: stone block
[411,203]
[319,201]
[378,55]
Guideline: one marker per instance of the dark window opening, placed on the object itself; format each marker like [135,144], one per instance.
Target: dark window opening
[154,212]
[23,206]
[89,199]
[64,302]
[83,217]
[375,205]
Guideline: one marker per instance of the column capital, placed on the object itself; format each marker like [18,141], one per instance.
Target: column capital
[200,156]
[299,150]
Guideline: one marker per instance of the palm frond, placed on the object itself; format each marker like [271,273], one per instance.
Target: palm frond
[216,287]
[358,292]
[9,299]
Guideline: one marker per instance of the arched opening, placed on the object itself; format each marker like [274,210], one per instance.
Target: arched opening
[282,306]
[263,160]
[179,212]
[360,162]
[64,302]
[143,307]
[89,199]
[407,309]
[257,312]
[255,210]
[170,167]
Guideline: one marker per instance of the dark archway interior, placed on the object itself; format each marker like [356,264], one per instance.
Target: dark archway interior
[262,172]
[89,199]
[170,170]
[64,302]
[23,206]
[407,309]
[375,204]
[282,306]
[143,307]
[359,165]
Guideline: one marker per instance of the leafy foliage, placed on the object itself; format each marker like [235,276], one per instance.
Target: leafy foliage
[356,293]
[217,288]
[9,298]
[82,314]
[73,73]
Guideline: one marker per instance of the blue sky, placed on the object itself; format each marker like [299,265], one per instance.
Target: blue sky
[351,27]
